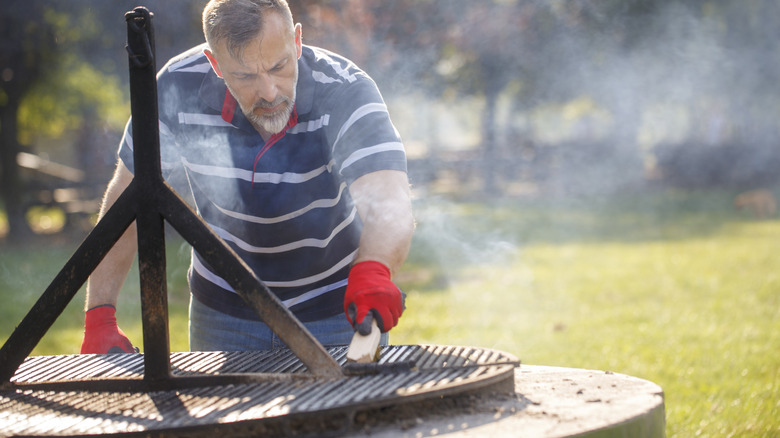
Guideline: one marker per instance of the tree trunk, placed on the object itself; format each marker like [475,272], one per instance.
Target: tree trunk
[489,149]
[11,183]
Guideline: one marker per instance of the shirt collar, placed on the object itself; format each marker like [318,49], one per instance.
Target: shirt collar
[212,93]
[304,91]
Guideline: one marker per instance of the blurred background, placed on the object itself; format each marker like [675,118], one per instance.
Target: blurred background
[594,181]
[493,97]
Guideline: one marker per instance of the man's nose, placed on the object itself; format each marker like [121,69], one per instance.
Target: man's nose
[266,89]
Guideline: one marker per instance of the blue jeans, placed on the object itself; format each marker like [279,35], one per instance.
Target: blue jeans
[212,330]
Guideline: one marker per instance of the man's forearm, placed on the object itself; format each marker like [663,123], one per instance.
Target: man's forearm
[386,243]
[384,204]
[107,279]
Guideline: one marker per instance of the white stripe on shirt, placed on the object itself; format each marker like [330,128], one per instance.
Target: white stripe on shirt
[184,65]
[303,243]
[164,130]
[202,119]
[310,126]
[200,68]
[314,293]
[260,177]
[320,203]
[341,71]
[219,281]
[365,152]
[322,78]
[357,115]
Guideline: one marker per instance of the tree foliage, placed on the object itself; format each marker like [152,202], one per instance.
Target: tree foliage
[26,43]
[63,73]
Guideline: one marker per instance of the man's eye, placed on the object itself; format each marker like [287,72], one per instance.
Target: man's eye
[279,67]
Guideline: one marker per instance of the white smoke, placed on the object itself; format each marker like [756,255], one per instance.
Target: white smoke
[452,237]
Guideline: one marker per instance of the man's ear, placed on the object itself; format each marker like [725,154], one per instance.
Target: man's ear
[298,39]
[213,62]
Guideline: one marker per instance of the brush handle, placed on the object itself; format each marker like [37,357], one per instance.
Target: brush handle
[365,349]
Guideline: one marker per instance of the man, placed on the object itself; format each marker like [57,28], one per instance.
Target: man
[307,183]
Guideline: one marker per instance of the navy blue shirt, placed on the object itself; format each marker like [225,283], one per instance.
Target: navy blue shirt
[289,216]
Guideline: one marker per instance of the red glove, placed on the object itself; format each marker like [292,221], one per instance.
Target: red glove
[370,294]
[102,335]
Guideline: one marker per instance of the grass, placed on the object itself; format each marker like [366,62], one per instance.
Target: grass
[676,288]
[25,272]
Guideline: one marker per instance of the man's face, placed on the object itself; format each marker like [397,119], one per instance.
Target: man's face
[263,80]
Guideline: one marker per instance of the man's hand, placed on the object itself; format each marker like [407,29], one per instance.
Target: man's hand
[102,335]
[372,295]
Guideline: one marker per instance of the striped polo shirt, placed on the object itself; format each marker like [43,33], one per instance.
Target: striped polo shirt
[289,215]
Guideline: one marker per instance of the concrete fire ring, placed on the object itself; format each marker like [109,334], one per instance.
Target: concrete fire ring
[548,402]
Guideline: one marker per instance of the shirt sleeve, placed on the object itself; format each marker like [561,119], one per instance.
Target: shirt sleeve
[363,138]
[168,160]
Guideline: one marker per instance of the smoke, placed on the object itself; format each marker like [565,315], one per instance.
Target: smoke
[452,236]
[595,111]
[600,100]
[690,78]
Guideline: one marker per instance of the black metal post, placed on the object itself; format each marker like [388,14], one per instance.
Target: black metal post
[148,177]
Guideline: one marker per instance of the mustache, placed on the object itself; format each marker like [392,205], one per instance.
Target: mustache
[264,104]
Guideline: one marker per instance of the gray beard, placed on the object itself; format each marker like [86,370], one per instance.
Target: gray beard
[272,123]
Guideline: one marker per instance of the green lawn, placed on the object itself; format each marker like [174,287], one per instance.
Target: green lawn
[675,288]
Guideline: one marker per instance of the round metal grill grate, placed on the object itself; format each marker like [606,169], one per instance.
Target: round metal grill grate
[286,391]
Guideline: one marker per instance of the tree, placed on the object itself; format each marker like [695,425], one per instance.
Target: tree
[64,69]
[490,44]
[26,43]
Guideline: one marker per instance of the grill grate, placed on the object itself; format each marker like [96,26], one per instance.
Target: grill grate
[439,371]
[69,367]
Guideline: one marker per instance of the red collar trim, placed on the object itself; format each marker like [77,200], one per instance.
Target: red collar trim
[229,107]
[274,138]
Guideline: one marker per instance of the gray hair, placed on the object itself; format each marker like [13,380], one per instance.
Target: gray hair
[238,22]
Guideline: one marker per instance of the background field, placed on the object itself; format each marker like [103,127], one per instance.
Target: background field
[673,287]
